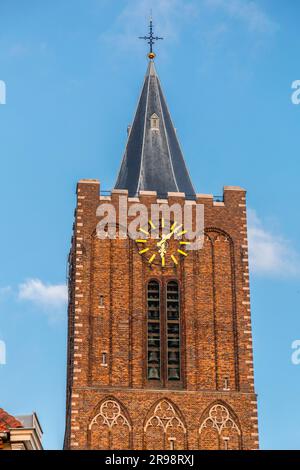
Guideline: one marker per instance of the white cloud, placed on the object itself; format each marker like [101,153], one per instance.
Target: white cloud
[270,254]
[247,11]
[48,296]
[2,352]
[168,17]
[4,291]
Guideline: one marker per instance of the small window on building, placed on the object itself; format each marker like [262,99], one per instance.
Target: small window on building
[226,384]
[226,442]
[172,443]
[104,359]
[154,122]
[101,301]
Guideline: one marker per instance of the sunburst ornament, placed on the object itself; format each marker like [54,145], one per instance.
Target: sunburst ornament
[155,244]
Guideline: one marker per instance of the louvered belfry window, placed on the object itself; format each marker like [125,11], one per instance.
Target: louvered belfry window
[163,333]
[173,331]
[154,331]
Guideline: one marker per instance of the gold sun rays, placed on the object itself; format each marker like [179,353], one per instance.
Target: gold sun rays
[161,248]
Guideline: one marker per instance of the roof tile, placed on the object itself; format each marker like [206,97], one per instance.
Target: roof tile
[8,421]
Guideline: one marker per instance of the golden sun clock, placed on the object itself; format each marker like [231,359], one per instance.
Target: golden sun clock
[163,246]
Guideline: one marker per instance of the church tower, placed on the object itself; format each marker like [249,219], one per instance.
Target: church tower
[159,339]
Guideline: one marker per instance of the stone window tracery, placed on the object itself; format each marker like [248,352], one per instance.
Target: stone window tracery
[219,429]
[165,416]
[219,418]
[164,429]
[110,415]
[110,428]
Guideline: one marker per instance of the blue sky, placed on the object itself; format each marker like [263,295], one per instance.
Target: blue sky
[73,71]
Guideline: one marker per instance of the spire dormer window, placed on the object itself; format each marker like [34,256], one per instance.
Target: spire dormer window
[154,122]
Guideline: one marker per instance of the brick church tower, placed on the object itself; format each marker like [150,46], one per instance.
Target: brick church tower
[159,345]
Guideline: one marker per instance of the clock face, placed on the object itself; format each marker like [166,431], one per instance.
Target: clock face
[160,246]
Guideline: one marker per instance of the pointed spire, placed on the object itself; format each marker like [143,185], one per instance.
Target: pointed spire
[153,160]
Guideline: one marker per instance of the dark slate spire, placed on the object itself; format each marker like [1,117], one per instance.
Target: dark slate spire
[153,160]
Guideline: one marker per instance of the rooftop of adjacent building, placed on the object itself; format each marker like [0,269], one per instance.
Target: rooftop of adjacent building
[20,432]
[8,421]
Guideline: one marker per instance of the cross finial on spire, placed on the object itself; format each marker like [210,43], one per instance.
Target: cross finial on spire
[151,39]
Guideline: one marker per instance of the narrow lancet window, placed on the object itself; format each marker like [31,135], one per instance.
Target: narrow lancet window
[173,331]
[153,330]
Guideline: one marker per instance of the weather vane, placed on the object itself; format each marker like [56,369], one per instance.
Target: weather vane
[151,39]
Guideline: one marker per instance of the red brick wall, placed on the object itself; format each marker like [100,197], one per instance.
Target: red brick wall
[106,401]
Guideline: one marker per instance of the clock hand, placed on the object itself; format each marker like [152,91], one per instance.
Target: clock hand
[162,250]
[165,238]
[169,235]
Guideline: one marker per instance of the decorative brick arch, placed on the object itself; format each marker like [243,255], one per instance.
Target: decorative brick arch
[110,427]
[219,428]
[114,225]
[216,236]
[164,427]
[217,230]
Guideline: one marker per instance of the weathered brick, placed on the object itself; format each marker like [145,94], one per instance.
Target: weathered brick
[216,348]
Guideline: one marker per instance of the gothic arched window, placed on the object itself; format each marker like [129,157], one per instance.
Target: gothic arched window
[173,330]
[219,429]
[110,428]
[164,428]
[153,331]
[163,333]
